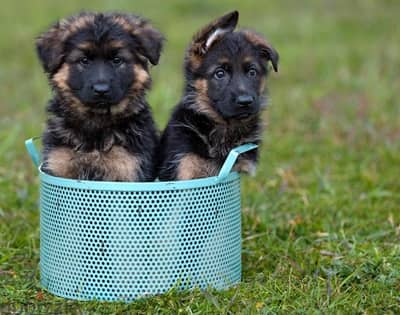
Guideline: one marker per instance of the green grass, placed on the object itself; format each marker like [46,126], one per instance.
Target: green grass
[321,219]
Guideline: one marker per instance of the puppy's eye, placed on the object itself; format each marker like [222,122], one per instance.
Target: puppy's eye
[117,61]
[219,74]
[252,72]
[84,61]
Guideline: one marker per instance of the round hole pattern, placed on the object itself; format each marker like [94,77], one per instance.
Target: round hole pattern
[123,245]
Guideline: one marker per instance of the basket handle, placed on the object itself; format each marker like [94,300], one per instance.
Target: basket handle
[223,173]
[231,159]
[32,150]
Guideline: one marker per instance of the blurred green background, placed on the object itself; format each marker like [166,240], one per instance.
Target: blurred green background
[321,217]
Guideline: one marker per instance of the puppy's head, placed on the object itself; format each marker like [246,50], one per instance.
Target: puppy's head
[99,61]
[228,69]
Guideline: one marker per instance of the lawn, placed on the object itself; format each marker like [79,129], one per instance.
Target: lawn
[321,219]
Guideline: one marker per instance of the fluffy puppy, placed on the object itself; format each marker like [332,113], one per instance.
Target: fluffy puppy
[225,75]
[100,126]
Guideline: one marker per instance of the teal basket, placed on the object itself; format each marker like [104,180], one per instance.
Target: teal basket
[118,241]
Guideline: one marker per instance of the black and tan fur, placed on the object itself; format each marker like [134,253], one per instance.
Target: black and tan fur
[100,126]
[225,75]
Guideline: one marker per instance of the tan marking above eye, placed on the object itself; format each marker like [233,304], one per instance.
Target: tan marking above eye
[86,46]
[248,59]
[223,60]
[116,44]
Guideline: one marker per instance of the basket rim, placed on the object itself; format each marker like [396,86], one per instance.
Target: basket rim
[135,186]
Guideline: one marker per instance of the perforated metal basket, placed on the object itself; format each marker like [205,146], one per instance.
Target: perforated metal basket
[122,241]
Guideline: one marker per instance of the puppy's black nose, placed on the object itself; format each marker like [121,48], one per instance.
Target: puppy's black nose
[101,88]
[244,100]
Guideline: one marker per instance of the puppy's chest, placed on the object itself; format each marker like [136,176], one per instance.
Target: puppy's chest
[99,140]
[221,140]
[117,164]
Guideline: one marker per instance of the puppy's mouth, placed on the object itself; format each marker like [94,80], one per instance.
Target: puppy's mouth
[98,104]
[101,103]
[243,115]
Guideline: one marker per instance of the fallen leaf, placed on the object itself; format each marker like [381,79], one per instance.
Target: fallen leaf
[297,220]
[8,272]
[39,296]
[259,305]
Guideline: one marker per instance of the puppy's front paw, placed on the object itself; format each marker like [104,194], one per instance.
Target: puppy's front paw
[246,166]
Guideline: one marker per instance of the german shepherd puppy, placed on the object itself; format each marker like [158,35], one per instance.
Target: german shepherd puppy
[225,79]
[100,125]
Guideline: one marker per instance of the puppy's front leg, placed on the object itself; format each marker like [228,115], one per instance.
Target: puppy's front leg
[193,166]
[247,163]
[121,165]
[60,162]
[246,166]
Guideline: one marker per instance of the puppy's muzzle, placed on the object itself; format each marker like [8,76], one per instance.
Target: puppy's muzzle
[101,89]
[245,101]
[246,105]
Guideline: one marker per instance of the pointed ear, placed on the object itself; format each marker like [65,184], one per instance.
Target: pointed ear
[150,43]
[214,31]
[49,47]
[265,49]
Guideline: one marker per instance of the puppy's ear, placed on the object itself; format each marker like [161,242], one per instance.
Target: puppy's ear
[269,52]
[49,47]
[214,31]
[150,42]
[265,49]
[147,41]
